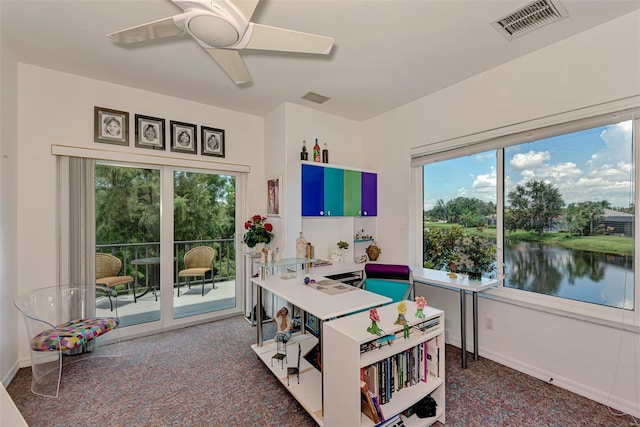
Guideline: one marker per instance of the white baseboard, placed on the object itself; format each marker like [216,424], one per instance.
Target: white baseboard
[617,404]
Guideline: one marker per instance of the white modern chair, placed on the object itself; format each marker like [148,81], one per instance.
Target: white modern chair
[62,328]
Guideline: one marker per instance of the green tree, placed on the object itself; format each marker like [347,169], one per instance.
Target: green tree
[576,219]
[533,206]
[468,212]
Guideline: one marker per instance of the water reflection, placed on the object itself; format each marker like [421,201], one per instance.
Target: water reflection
[603,279]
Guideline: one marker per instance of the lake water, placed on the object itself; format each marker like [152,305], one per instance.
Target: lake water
[603,279]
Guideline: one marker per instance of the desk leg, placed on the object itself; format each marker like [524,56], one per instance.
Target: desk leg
[463,328]
[475,326]
[321,334]
[259,315]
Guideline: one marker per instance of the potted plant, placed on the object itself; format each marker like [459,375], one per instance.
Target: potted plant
[473,255]
[259,231]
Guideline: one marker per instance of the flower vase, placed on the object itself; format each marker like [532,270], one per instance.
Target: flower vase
[257,249]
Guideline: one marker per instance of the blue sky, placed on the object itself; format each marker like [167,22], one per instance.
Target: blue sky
[590,165]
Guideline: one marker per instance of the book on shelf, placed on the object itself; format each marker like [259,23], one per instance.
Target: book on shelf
[367,405]
[394,421]
[401,370]
[376,404]
[433,358]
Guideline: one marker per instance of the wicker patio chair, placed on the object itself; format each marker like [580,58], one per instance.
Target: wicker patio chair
[107,273]
[197,263]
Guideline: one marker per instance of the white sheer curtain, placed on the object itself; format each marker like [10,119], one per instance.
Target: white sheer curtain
[76,226]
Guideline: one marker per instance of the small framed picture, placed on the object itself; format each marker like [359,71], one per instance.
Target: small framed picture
[183,137]
[274,196]
[212,141]
[110,126]
[149,132]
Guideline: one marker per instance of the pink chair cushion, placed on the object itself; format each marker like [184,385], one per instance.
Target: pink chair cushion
[73,334]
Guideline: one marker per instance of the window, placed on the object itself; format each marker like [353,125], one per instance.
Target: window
[569,213]
[565,224]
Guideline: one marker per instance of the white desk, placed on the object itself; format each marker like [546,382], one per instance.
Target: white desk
[464,285]
[321,305]
[324,307]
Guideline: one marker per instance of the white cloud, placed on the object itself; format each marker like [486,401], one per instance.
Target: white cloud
[530,160]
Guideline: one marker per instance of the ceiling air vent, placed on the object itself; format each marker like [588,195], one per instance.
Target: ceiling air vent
[315,97]
[529,17]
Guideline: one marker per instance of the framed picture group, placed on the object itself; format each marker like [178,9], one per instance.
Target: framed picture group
[112,127]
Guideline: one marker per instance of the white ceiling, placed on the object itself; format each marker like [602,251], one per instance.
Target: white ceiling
[386,52]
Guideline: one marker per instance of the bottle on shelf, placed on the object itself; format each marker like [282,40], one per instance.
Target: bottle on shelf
[304,155]
[301,246]
[325,154]
[316,152]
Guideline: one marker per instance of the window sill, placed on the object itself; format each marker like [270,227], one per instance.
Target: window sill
[626,320]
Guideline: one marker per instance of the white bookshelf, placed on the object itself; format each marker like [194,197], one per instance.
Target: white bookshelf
[342,362]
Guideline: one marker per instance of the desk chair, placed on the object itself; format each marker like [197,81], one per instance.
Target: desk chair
[197,263]
[391,280]
[295,370]
[107,274]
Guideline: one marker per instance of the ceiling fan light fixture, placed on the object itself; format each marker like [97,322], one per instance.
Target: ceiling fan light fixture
[315,97]
[214,31]
[529,17]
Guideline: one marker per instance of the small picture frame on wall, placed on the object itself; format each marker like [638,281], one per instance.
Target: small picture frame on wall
[212,141]
[183,137]
[110,126]
[149,132]
[274,196]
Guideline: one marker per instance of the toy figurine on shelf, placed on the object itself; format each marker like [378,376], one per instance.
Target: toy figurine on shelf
[284,325]
[402,319]
[263,256]
[421,303]
[374,328]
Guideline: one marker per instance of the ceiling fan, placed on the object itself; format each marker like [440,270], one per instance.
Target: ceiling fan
[222,28]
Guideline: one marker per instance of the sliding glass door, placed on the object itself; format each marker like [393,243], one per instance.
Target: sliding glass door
[143,214]
[204,244]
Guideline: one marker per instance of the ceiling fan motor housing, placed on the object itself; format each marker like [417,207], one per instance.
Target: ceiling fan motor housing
[212,24]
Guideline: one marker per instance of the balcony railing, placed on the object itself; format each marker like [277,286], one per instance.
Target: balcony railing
[223,263]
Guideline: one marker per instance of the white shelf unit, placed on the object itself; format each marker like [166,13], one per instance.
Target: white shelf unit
[251,271]
[343,360]
[309,391]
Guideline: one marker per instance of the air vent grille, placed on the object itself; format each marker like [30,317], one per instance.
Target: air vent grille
[314,97]
[529,17]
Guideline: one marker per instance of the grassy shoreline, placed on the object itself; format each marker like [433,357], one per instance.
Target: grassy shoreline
[618,245]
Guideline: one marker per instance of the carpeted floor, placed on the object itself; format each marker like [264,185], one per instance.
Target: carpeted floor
[207,375]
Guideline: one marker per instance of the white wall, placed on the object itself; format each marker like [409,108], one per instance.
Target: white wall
[344,142]
[597,66]
[9,316]
[57,108]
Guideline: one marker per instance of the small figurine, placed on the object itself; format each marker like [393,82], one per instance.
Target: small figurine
[284,325]
[374,328]
[263,256]
[421,303]
[269,255]
[402,320]
[277,254]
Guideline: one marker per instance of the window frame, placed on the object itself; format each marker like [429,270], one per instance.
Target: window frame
[498,139]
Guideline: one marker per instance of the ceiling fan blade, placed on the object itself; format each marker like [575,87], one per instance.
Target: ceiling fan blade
[232,64]
[247,7]
[264,37]
[149,31]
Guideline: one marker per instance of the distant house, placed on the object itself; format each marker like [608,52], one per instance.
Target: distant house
[621,222]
